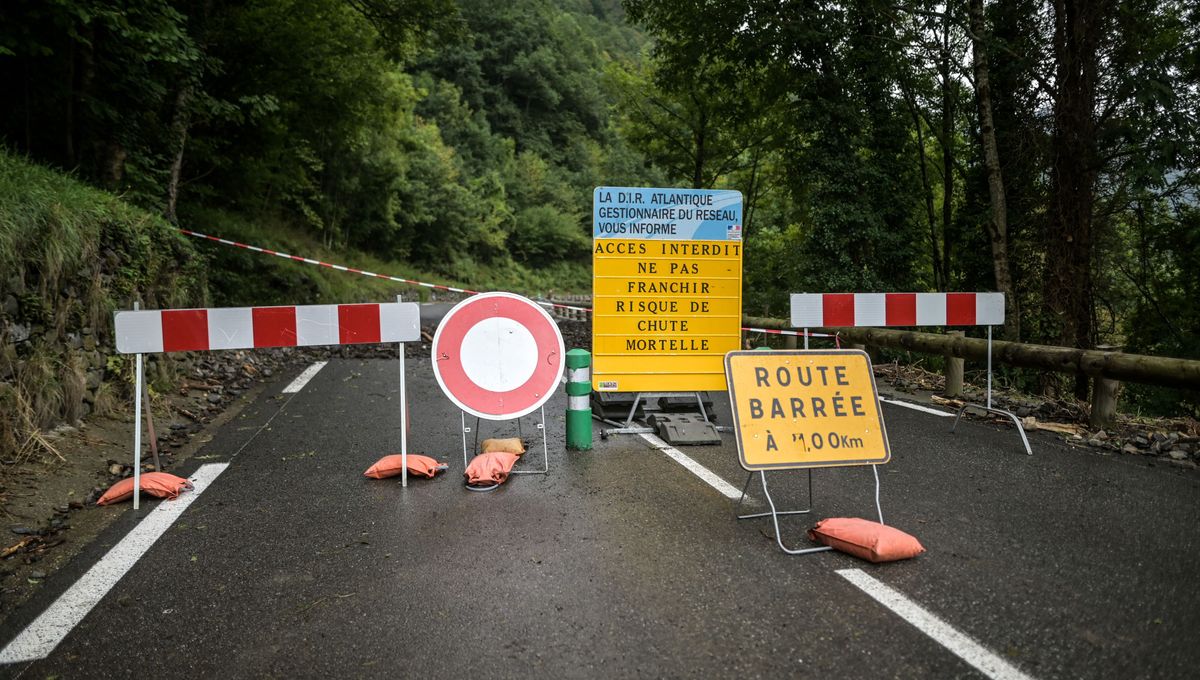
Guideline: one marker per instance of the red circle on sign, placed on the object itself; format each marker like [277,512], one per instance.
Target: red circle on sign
[537,350]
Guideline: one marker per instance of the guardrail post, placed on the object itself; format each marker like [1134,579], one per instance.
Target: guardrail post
[579,406]
[1104,395]
[954,372]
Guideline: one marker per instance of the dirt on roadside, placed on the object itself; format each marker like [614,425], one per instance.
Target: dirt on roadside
[48,510]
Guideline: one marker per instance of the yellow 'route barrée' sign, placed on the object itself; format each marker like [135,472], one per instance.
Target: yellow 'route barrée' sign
[666,288]
[804,409]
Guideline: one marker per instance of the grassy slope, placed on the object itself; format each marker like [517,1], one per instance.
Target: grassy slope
[71,255]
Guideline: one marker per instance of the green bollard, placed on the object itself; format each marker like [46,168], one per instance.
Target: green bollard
[579,406]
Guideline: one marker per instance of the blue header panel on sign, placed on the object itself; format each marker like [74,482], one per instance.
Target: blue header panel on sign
[667,214]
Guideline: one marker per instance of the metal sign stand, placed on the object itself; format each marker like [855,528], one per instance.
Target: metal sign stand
[540,426]
[629,428]
[774,513]
[989,408]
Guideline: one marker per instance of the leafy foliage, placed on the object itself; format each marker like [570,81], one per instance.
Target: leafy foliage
[463,138]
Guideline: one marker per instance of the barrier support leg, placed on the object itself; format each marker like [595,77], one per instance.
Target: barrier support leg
[403,421]
[989,408]
[137,432]
[137,426]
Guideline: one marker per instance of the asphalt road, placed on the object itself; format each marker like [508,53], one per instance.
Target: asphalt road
[622,563]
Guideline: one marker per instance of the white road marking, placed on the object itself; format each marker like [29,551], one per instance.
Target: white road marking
[915,407]
[726,489]
[302,379]
[943,633]
[43,635]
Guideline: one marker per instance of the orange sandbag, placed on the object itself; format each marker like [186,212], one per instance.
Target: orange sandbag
[489,470]
[393,465]
[160,484]
[863,538]
[512,445]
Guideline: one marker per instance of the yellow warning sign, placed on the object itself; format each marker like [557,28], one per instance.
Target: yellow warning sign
[805,409]
[666,288]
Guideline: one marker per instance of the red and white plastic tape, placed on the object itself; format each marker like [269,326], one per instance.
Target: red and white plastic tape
[816,310]
[190,330]
[352,270]
[809,310]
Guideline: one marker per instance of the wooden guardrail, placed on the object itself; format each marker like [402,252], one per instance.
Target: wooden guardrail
[570,307]
[1150,370]
[1161,371]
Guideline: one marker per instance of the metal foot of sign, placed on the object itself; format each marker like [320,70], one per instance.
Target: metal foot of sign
[1000,412]
[541,426]
[628,427]
[775,513]
[746,487]
[775,520]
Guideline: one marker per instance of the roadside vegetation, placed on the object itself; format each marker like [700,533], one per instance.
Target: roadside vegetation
[1046,150]
[71,255]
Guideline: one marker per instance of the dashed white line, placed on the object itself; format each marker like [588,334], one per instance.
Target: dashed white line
[302,379]
[726,489]
[915,407]
[43,635]
[943,633]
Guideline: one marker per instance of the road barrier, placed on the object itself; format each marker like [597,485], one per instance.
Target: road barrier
[200,330]
[909,309]
[188,330]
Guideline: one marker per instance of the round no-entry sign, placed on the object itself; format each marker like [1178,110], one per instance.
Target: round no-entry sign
[498,355]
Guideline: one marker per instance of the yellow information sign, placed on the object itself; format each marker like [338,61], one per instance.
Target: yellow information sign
[667,288]
[805,409]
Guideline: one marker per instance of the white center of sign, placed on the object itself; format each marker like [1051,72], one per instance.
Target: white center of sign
[499,354]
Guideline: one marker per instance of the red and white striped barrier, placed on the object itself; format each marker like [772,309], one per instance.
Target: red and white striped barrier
[198,330]
[829,310]
[190,330]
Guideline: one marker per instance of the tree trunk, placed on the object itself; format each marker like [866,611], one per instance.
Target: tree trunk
[1078,25]
[179,131]
[181,121]
[948,135]
[69,117]
[998,224]
[939,278]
